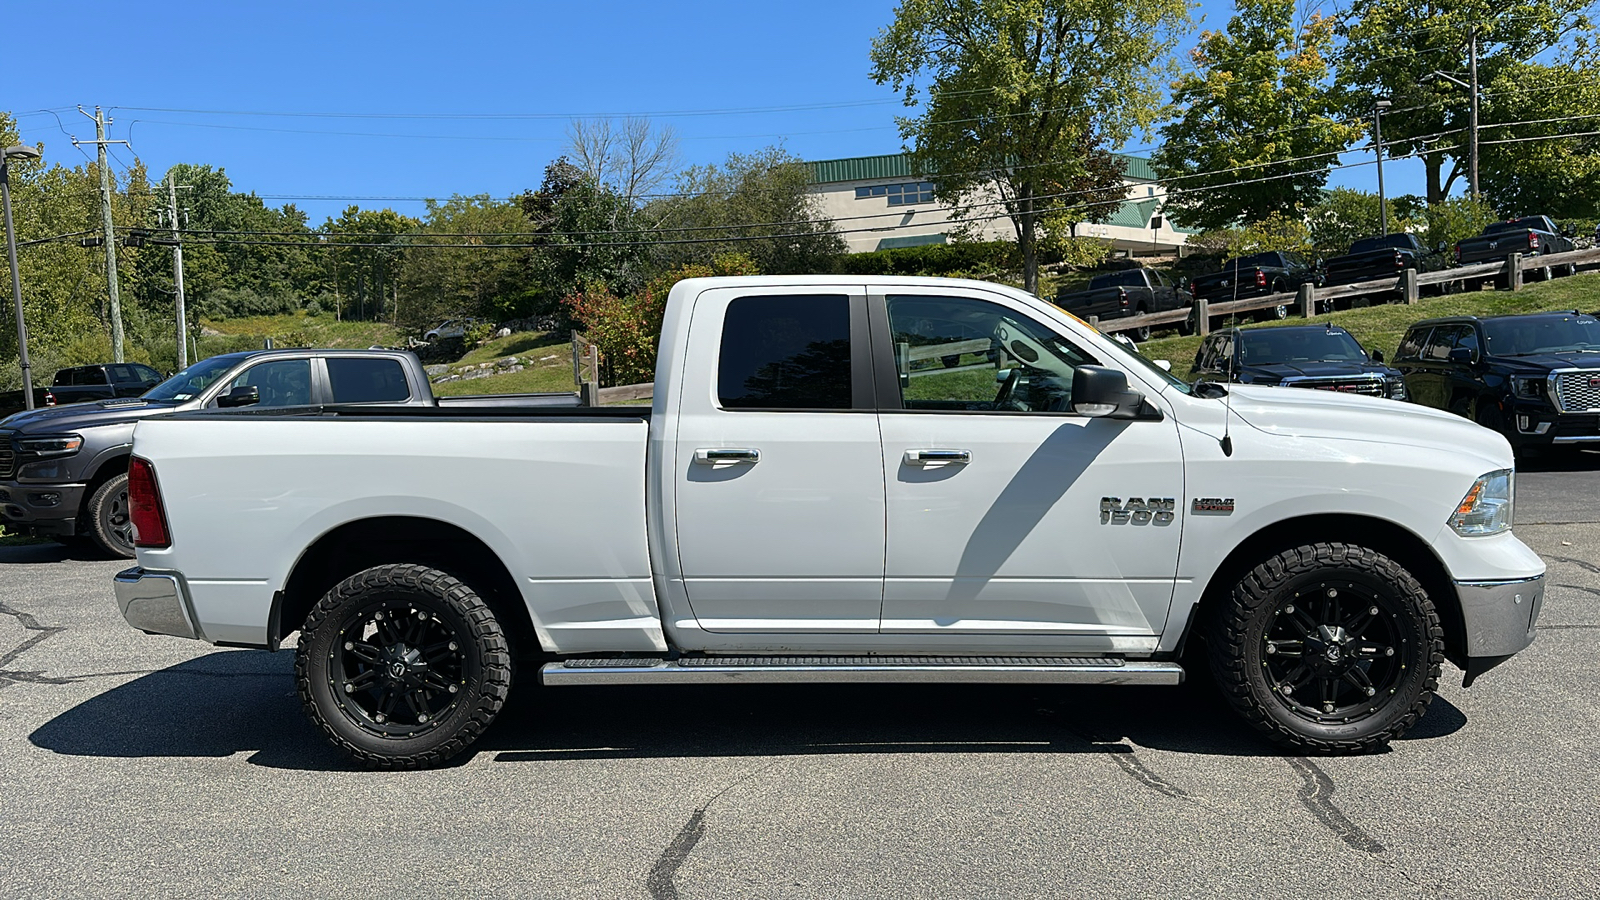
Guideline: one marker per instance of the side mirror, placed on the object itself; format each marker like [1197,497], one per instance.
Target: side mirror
[1441,247]
[1462,355]
[1098,391]
[1164,365]
[1377,355]
[243,395]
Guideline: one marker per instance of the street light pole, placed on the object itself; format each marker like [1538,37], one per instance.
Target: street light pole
[6,156]
[1377,137]
[1472,63]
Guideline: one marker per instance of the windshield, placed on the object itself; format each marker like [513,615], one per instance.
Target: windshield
[1129,352]
[1259,259]
[1266,346]
[191,381]
[1528,335]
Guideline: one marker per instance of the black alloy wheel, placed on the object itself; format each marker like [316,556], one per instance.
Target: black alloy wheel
[110,526]
[1329,648]
[1142,333]
[402,666]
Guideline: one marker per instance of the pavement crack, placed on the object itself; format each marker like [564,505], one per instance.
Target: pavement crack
[1577,587]
[1129,762]
[1561,627]
[1317,796]
[660,882]
[42,634]
[1582,564]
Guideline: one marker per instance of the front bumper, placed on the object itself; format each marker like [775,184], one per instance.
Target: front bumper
[156,603]
[44,509]
[1499,617]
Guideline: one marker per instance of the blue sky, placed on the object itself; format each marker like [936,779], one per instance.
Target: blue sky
[470,97]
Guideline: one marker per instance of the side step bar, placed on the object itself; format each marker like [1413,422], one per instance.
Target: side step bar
[861,670]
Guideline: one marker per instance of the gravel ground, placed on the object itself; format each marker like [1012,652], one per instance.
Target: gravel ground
[133,765]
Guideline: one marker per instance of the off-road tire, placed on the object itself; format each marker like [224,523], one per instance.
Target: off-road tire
[481,656]
[1239,637]
[108,518]
[1489,416]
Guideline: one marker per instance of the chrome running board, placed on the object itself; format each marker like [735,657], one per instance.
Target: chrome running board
[861,670]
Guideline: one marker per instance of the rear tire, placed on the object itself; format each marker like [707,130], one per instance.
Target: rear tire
[1142,333]
[402,666]
[1328,648]
[109,525]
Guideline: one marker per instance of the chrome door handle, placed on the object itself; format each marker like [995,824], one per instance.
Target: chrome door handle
[712,456]
[913,457]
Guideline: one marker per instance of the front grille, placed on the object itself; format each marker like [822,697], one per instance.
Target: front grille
[1578,391]
[8,457]
[1372,387]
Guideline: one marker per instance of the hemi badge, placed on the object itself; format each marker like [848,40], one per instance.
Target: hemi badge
[1216,506]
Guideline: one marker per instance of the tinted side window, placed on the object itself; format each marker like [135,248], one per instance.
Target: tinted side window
[89,375]
[1439,344]
[367,380]
[123,374]
[146,373]
[64,377]
[785,352]
[1411,345]
[284,382]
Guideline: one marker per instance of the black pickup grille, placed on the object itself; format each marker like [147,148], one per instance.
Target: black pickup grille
[8,457]
[1578,391]
[1372,387]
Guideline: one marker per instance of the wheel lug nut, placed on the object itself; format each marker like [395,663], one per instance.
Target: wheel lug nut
[349,645]
[1388,651]
[1372,611]
[453,689]
[454,646]
[1371,691]
[1271,649]
[1327,707]
[1333,592]
[349,688]
[1288,689]
[1289,608]
[422,717]
[422,614]
[379,615]
[379,717]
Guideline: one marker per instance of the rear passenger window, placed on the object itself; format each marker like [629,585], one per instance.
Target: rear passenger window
[367,380]
[90,375]
[1439,343]
[785,352]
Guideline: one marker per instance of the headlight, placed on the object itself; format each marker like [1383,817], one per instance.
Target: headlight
[50,445]
[1528,385]
[1397,389]
[1486,509]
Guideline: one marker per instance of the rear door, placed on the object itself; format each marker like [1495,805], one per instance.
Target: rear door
[1007,512]
[778,475]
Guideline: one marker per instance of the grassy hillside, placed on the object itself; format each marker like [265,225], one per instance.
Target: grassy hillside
[546,361]
[1382,327]
[293,330]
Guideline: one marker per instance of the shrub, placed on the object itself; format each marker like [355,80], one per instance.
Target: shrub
[934,259]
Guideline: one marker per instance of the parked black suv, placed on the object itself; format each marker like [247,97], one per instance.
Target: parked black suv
[1534,378]
[1324,357]
[106,381]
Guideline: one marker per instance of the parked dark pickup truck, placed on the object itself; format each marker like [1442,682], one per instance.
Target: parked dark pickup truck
[1256,275]
[1529,235]
[105,381]
[1534,378]
[1324,357]
[1131,292]
[1382,257]
[64,470]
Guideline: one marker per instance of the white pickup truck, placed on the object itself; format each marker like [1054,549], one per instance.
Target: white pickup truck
[845,479]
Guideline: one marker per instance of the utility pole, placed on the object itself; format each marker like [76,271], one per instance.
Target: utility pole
[177,269]
[100,143]
[1472,146]
[1377,137]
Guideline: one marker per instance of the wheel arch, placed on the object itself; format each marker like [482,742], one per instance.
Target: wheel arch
[1394,541]
[363,543]
[109,465]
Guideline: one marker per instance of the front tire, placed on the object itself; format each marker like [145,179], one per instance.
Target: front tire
[1329,648]
[109,525]
[402,666]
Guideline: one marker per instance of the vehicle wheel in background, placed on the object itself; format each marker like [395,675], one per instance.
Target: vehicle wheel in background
[951,361]
[1546,274]
[1572,269]
[1142,333]
[109,525]
[402,666]
[1328,647]
[1188,326]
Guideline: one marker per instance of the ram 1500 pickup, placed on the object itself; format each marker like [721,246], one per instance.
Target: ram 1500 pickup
[805,501]
[1130,292]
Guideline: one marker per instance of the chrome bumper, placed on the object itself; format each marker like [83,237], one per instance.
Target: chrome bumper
[156,603]
[1499,617]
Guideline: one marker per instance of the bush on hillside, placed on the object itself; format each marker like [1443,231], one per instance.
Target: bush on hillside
[933,259]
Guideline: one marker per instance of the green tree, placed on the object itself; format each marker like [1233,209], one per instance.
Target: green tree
[1345,216]
[587,233]
[456,267]
[1256,133]
[1013,92]
[1393,48]
[1540,173]
[756,204]
[366,279]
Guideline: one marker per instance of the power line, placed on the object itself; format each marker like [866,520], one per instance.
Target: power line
[658,114]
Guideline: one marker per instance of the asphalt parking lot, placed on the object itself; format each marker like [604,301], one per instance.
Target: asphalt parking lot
[138,765]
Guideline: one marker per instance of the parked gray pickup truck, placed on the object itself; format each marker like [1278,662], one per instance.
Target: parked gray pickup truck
[64,470]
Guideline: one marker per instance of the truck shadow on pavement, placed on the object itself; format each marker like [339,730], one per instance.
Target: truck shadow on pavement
[52,552]
[230,702]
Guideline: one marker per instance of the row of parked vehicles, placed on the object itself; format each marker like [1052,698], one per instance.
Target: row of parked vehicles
[1133,292]
[1534,378]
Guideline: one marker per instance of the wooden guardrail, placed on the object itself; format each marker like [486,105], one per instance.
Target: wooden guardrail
[1403,288]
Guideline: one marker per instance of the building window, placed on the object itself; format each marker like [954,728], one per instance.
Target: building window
[899,194]
[1150,192]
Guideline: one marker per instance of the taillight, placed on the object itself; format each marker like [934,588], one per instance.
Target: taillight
[1261,278]
[1533,240]
[1458,253]
[49,399]
[1122,296]
[1191,289]
[144,506]
[1399,260]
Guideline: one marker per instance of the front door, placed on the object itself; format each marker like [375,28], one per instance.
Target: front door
[1007,512]
[779,481]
